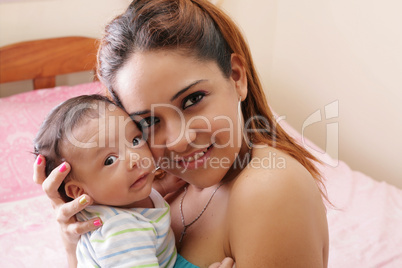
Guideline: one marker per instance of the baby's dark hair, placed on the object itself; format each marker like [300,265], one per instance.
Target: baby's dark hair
[58,123]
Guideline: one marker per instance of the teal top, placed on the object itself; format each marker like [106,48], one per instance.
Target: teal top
[183,263]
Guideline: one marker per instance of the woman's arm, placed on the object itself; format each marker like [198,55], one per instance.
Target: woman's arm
[277,219]
[71,229]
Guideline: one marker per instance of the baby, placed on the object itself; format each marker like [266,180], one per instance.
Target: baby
[113,164]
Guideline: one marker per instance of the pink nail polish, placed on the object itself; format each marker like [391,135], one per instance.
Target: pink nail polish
[97,223]
[39,160]
[63,167]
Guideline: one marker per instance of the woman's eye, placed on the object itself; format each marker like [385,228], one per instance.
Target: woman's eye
[192,99]
[148,122]
[110,160]
[137,141]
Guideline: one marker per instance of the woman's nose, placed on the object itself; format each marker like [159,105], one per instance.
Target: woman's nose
[179,137]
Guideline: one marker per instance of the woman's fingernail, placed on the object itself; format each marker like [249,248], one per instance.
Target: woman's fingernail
[83,200]
[38,160]
[97,223]
[63,167]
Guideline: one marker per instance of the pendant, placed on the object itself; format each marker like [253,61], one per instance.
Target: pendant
[182,234]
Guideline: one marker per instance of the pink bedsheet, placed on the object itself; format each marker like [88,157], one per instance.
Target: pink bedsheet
[365,229]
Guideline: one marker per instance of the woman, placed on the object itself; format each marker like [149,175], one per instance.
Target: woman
[184,73]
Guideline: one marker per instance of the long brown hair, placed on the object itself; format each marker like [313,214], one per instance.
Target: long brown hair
[202,29]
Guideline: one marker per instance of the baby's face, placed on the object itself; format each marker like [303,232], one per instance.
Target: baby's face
[112,161]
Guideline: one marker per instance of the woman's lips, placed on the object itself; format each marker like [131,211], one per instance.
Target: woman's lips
[194,156]
[196,159]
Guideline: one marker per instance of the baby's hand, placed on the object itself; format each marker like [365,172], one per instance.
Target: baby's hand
[167,183]
[226,263]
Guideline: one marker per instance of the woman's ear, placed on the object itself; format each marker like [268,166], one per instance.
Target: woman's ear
[74,189]
[239,76]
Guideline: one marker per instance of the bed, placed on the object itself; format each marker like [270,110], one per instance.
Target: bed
[365,227]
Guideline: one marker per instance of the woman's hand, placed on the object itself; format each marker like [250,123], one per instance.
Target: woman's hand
[71,229]
[226,263]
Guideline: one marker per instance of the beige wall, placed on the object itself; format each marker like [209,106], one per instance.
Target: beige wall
[22,20]
[340,55]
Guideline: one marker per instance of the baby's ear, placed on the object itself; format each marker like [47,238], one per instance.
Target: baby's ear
[74,189]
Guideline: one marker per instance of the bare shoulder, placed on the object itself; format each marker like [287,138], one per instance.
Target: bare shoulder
[276,177]
[276,214]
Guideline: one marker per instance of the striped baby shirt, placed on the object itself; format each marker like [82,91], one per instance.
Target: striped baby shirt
[135,237]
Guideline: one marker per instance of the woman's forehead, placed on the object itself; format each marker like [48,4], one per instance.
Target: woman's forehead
[156,76]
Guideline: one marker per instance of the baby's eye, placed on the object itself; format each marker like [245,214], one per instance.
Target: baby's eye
[110,160]
[137,141]
[193,99]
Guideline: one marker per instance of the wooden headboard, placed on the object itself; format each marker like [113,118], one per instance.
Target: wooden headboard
[42,60]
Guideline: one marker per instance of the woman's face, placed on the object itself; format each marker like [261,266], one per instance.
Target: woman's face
[189,111]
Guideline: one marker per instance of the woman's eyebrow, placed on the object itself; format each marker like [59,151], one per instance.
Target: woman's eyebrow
[172,99]
[139,113]
[186,88]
